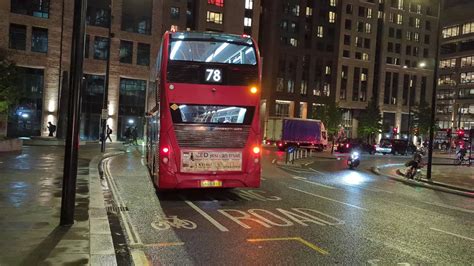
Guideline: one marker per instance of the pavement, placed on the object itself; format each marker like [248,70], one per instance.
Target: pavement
[30,202]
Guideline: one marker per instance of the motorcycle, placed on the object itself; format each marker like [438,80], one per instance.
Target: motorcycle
[354,160]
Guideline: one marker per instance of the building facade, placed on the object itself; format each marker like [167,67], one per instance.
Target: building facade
[455,94]
[298,45]
[37,35]
[387,52]
[351,52]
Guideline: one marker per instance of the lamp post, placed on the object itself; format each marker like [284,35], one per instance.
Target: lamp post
[433,95]
[105,102]
[410,99]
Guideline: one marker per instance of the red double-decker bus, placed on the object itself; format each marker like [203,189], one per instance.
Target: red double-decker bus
[203,122]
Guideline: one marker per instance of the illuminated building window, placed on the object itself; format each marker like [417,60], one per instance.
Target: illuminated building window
[248,4]
[451,31]
[468,28]
[214,17]
[247,22]
[332,17]
[320,32]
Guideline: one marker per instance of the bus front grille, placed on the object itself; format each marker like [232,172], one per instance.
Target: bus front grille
[211,136]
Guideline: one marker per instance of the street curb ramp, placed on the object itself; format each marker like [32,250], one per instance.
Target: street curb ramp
[427,184]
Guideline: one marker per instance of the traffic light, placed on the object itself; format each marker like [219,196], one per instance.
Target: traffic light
[460,133]
[395,130]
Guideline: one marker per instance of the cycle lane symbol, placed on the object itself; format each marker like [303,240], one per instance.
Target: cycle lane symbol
[168,222]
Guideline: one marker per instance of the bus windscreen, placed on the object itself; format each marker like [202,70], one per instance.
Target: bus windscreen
[211,114]
[212,52]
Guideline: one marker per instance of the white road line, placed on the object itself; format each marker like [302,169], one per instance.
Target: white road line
[316,171]
[449,207]
[302,179]
[347,204]
[371,189]
[209,218]
[299,171]
[453,234]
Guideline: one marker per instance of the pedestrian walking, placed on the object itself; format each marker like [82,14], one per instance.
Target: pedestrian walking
[109,132]
[128,135]
[135,136]
[52,129]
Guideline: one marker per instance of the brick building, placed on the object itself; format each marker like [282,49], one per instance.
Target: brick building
[37,35]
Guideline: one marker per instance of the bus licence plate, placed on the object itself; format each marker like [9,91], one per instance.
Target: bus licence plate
[211,183]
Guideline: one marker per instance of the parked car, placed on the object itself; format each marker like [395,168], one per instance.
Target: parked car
[400,146]
[384,147]
[348,145]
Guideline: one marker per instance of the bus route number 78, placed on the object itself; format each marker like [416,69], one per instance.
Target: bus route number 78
[213,75]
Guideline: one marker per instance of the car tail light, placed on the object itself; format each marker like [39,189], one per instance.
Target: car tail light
[347,145]
[280,144]
[256,150]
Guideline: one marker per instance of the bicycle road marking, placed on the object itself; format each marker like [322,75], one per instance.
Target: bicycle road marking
[453,234]
[322,197]
[207,216]
[164,222]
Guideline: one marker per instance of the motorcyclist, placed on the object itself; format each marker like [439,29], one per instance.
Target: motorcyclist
[461,153]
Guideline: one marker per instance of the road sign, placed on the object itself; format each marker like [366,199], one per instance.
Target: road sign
[105,114]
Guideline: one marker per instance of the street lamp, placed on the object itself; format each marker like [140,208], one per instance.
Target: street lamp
[422,64]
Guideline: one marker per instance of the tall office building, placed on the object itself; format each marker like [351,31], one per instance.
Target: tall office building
[37,35]
[350,51]
[298,46]
[455,94]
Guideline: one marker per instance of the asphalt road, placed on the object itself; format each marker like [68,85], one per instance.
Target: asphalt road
[320,213]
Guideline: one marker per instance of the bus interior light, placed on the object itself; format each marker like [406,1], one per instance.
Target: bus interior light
[253,90]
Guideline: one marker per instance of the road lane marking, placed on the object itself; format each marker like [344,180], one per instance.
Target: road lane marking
[316,171]
[208,217]
[165,244]
[139,258]
[449,207]
[303,179]
[322,197]
[298,239]
[453,234]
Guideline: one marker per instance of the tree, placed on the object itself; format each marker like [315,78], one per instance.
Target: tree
[422,118]
[370,121]
[331,115]
[9,91]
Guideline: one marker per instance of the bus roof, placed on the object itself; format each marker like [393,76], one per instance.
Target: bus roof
[209,35]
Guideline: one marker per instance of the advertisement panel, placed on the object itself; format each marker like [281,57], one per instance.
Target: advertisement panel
[195,161]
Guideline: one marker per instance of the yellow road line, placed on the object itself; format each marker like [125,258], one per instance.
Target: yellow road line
[299,239]
[165,244]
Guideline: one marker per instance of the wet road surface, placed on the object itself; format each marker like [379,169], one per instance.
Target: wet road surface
[321,213]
